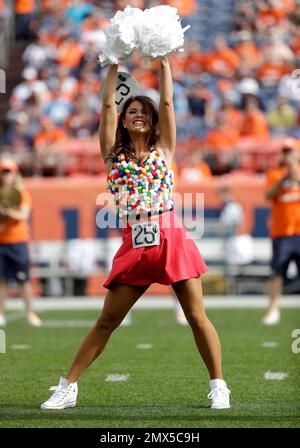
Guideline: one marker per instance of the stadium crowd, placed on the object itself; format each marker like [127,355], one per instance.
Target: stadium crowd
[236,90]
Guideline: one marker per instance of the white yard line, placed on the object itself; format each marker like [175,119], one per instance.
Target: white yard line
[153,302]
[68,323]
[279,376]
[144,346]
[269,344]
[20,347]
[116,377]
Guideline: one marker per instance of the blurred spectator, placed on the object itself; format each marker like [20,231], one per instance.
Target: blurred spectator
[193,169]
[277,49]
[194,59]
[221,137]
[49,156]
[83,122]
[50,6]
[249,88]
[282,117]
[295,41]
[78,11]
[247,49]
[219,146]
[92,35]
[230,115]
[185,7]
[232,213]
[32,109]
[222,60]
[4,13]
[25,13]
[121,4]
[59,108]
[283,191]
[254,123]
[17,137]
[14,240]
[270,13]
[271,71]
[289,86]
[239,246]
[63,81]
[70,53]
[244,18]
[200,101]
[31,85]
[40,53]
[80,259]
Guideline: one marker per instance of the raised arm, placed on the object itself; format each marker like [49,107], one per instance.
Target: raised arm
[273,191]
[167,124]
[108,119]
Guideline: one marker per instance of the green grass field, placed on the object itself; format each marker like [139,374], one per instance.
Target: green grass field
[167,385]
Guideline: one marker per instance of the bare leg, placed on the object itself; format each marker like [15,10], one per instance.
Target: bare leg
[3,289]
[119,300]
[26,295]
[178,311]
[275,291]
[189,293]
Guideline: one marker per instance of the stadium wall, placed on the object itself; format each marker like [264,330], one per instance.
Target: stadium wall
[66,208]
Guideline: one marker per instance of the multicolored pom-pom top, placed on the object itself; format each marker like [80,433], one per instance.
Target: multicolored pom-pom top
[141,187]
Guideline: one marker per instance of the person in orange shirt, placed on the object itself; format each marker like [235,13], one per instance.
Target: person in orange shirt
[49,6]
[247,49]
[70,53]
[25,12]
[223,60]
[283,190]
[271,71]
[49,155]
[185,7]
[222,137]
[194,169]
[230,115]
[14,236]
[194,59]
[254,123]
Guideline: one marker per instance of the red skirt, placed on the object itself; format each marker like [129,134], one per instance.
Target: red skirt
[176,258]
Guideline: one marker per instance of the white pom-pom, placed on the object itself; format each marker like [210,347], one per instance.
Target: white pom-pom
[122,35]
[156,32]
[161,32]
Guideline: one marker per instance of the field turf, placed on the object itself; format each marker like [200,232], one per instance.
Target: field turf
[167,385]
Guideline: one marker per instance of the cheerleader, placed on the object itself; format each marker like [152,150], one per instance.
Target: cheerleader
[138,147]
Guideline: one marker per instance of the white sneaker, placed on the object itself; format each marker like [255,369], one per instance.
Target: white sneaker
[272,317]
[2,321]
[65,396]
[127,321]
[220,397]
[34,320]
[180,317]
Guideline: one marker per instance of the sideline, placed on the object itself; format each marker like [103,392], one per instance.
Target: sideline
[153,302]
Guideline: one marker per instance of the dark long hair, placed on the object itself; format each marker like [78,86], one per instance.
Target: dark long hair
[123,142]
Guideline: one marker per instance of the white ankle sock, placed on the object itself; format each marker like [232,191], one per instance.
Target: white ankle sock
[216,383]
